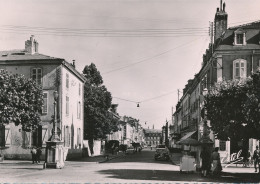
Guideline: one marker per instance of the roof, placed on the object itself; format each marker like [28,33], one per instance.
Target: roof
[254,25]
[153,131]
[19,56]
[14,55]
[252,31]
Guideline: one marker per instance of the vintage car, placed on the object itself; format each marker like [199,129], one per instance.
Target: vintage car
[130,150]
[162,154]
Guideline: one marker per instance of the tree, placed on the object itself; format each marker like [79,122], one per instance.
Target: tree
[21,101]
[233,108]
[98,120]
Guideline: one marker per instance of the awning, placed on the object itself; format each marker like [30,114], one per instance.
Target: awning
[187,136]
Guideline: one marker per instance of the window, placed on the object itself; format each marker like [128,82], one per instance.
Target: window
[79,110]
[239,37]
[124,131]
[239,69]
[37,75]
[67,105]
[79,137]
[67,80]
[79,89]
[36,139]
[222,145]
[45,103]
[2,135]
[66,136]
[45,136]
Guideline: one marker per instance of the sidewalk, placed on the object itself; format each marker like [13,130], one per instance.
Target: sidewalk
[93,159]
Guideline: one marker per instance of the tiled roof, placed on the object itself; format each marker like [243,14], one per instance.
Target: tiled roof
[152,130]
[252,25]
[22,55]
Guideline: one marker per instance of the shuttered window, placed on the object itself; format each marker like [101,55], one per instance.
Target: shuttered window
[67,81]
[37,75]
[66,136]
[239,69]
[45,103]
[45,136]
[67,105]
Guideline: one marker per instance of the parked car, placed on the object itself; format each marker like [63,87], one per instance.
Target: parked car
[162,154]
[161,146]
[130,150]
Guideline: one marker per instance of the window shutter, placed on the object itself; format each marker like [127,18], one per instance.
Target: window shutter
[7,136]
[44,136]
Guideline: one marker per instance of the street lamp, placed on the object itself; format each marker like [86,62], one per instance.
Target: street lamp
[54,156]
[205,138]
[55,136]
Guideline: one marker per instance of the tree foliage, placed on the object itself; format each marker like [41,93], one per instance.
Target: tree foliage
[233,108]
[21,101]
[99,121]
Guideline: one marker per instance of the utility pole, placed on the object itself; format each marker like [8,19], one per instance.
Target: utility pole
[166,134]
[178,95]
[211,35]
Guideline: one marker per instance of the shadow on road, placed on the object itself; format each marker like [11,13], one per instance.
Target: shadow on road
[166,175]
[140,157]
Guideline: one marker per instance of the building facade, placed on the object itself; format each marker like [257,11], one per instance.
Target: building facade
[235,54]
[153,137]
[53,74]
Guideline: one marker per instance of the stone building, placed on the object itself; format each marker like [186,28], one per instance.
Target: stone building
[54,74]
[153,137]
[235,54]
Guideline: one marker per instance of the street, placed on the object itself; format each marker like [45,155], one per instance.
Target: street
[131,168]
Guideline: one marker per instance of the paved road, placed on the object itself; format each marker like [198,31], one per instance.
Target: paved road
[132,168]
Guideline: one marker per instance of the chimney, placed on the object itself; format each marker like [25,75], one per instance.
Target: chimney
[220,22]
[73,63]
[31,45]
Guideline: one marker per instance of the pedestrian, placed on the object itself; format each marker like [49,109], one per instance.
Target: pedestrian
[33,152]
[206,160]
[216,165]
[246,156]
[256,159]
[38,154]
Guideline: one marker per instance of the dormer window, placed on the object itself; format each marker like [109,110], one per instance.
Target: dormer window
[240,37]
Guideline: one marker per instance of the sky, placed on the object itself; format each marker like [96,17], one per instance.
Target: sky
[145,50]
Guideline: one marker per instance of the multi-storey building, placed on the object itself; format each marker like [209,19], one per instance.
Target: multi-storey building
[53,74]
[129,131]
[152,137]
[235,54]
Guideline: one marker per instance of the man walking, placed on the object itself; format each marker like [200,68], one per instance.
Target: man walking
[38,155]
[256,156]
[33,152]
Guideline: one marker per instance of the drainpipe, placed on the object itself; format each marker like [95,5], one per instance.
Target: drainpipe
[252,62]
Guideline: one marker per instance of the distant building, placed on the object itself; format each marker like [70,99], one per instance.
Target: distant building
[54,74]
[152,137]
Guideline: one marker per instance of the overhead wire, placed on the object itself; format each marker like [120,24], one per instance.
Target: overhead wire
[105,32]
[146,100]
[146,59]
